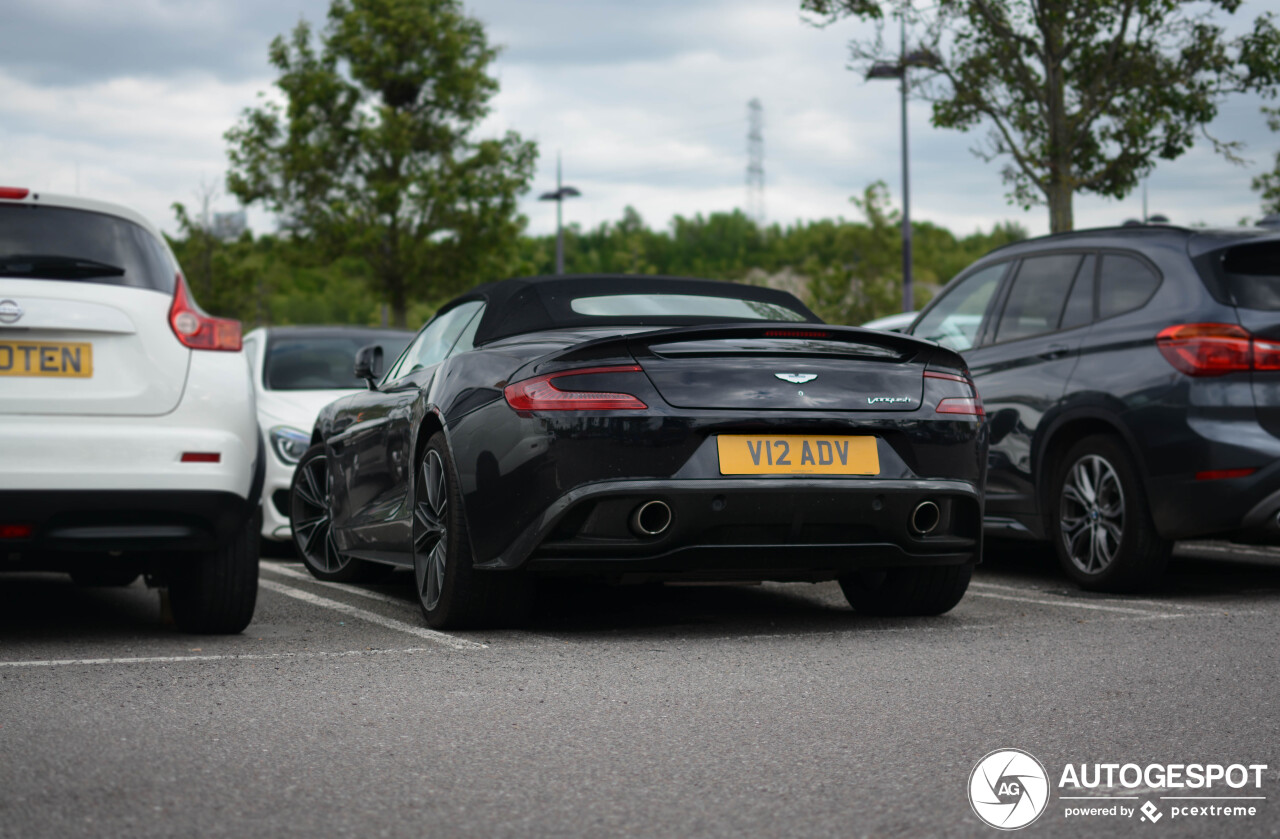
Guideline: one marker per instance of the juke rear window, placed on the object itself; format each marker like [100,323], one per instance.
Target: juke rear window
[1253,275]
[60,243]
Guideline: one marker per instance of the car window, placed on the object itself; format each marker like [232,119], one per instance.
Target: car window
[954,320]
[467,340]
[436,339]
[668,305]
[1079,308]
[1253,275]
[59,243]
[302,361]
[1035,302]
[1125,283]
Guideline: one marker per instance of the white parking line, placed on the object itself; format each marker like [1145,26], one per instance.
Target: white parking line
[295,574]
[1072,604]
[172,659]
[372,617]
[1265,553]
[1162,605]
[1159,604]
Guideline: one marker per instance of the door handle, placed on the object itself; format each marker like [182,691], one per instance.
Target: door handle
[1054,352]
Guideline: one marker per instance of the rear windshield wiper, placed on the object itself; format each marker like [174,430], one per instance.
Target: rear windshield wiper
[46,266]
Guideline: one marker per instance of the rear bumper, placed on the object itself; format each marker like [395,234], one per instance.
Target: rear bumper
[123,520]
[750,528]
[1246,507]
[118,452]
[123,453]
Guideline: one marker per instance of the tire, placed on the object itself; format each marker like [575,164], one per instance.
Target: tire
[907,592]
[1100,520]
[215,593]
[309,513]
[451,592]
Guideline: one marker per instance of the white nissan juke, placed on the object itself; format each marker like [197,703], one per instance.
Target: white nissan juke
[128,437]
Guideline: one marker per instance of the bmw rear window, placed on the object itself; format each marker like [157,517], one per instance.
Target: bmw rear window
[1253,275]
[59,243]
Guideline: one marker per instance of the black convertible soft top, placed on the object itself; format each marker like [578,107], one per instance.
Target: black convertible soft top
[534,304]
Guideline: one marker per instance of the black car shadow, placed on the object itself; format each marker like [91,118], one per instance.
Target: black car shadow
[586,608]
[572,606]
[50,607]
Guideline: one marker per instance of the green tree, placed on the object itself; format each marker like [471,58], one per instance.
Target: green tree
[1269,183]
[214,269]
[371,152]
[854,274]
[1081,95]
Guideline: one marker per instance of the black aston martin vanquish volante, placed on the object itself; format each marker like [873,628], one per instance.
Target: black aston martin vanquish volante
[643,429]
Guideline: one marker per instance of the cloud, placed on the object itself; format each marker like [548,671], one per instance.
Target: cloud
[645,101]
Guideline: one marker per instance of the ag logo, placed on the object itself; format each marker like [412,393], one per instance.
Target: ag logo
[1008,789]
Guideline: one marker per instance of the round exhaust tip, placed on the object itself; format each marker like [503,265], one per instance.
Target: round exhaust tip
[925,517]
[651,518]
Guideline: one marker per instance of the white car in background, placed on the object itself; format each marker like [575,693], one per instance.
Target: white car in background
[296,371]
[128,436]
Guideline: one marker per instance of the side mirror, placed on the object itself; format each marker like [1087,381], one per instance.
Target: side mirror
[369,365]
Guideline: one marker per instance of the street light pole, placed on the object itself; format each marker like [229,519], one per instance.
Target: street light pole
[908,296]
[562,192]
[559,221]
[898,70]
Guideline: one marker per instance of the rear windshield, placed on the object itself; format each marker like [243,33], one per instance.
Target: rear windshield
[323,362]
[1253,275]
[665,305]
[57,243]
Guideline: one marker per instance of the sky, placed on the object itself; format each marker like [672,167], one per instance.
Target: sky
[644,101]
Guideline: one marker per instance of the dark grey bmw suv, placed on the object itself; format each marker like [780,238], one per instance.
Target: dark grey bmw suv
[1131,378]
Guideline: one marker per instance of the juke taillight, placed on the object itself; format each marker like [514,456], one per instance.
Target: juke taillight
[197,330]
[550,393]
[1215,349]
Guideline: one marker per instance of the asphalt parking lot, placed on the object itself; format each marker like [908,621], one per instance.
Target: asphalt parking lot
[659,711]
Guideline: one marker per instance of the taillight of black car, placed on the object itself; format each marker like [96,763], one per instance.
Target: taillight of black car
[552,392]
[970,405]
[1215,349]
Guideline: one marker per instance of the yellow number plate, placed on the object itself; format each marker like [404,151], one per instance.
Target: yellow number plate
[795,454]
[46,358]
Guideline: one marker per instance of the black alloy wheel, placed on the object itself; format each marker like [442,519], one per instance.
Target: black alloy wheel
[1100,521]
[310,515]
[451,592]
[430,530]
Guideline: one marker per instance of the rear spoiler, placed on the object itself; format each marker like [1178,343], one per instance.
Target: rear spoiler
[634,346]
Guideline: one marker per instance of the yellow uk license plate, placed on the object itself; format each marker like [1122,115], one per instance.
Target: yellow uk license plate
[797,454]
[46,358]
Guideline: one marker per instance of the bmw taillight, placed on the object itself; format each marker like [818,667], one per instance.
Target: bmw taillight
[1215,349]
[966,405]
[553,393]
[14,193]
[197,330]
